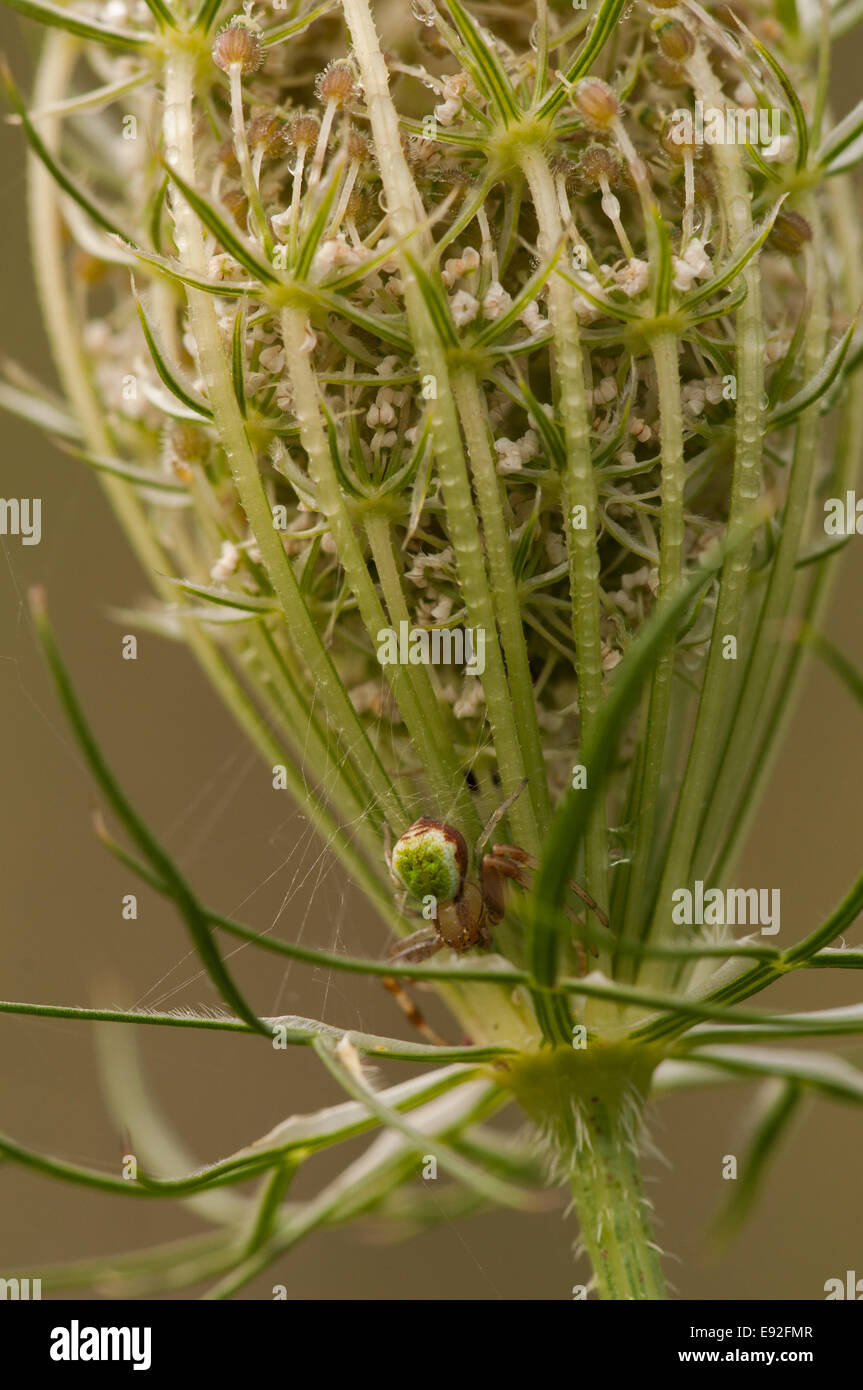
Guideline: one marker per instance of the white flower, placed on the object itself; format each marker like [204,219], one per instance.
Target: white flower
[533,319]
[496,301]
[336,252]
[583,308]
[508,455]
[632,278]
[226,565]
[694,264]
[463,307]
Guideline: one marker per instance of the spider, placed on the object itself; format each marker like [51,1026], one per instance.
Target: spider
[430,862]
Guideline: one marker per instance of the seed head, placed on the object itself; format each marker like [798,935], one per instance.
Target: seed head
[597,103]
[357,147]
[238,45]
[675,40]
[598,163]
[269,134]
[790,233]
[237,204]
[336,83]
[678,138]
[303,132]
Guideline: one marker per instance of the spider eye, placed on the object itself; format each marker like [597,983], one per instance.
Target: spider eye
[431,859]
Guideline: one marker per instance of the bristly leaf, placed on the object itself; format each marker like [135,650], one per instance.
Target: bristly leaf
[129,472]
[786,412]
[225,289]
[70,20]
[164,371]
[485,67]
[65,181]
[215,223]
[238,343]
[789,90]
[738,261]
[604,24]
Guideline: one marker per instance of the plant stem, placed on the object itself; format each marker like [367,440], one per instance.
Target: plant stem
[179,91]
[721,679]
[579,489]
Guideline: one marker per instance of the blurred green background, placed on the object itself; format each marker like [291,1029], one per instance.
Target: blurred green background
[185,765]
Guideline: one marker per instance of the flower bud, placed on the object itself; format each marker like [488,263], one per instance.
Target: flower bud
[597,103]
[270,134]
[238,45]
[336,83]
[675,40]
[598,163]
[303,132]
[790,233]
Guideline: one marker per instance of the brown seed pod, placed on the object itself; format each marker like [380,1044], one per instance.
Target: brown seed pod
[237,204]
[597,163]
[357,146]
[336,83]
[668,74]
[790,233]
[227,157]
[677,139]
[268,133]
[303,132]
[238,45]
[596,103]
[675,40]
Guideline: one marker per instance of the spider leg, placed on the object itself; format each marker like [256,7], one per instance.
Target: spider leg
[411,1012]
[496,817]
[413,949]
[509,862]
[522,857]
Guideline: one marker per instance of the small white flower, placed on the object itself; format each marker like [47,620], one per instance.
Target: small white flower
[226,565]
[533,319]
[496,301]
[694,264]
[508,455]
[463,307]
[632,278]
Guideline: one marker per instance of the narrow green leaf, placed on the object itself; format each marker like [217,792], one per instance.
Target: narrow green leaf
[224,289]
[841,136]
[778,1104]
[29,404]
[738,262]
[601,30]
[663,271]
[834,658]
[485,67]
[823,1073]
[215,223]
[73,23]
[565,834]
[237,354]
[161,365]
[271,37]
[497,327]
[198,927]
[436,303]
[786,412]
[129,472]
[65,181]
[789,91]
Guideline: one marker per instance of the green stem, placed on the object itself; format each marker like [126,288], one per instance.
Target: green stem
[405,213]
[422,718]
[579,489]
[670,566]
[179,92]
[471,406]
[721,678]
